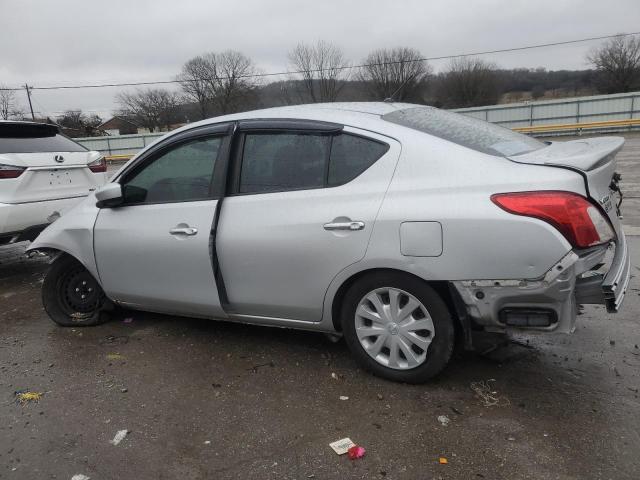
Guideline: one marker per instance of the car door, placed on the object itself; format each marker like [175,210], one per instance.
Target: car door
[301,208]
[155,251]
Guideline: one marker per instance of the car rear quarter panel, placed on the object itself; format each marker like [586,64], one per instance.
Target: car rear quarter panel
[442,182]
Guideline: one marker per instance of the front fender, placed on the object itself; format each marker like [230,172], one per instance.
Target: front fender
[73,234]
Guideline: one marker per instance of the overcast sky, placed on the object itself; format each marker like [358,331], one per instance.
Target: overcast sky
[60,42]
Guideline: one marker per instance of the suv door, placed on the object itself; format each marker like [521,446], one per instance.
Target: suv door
[156,250]
[301,208]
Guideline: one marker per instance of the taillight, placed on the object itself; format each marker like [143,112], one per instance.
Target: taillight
[98,166]
[579,220]
[10,171]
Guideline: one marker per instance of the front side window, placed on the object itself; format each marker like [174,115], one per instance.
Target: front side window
[181,174]
[276,162]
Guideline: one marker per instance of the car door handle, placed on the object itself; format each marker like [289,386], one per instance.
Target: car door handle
[183,231]
[344,226]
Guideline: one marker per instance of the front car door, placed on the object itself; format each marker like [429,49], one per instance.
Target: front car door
[301,208]
[155,252]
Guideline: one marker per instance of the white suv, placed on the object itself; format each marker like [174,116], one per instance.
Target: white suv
[42,174]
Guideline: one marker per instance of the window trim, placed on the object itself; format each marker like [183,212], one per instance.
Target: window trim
[218,177]
[238,154]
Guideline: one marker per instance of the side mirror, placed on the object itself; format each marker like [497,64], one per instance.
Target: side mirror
[109,196]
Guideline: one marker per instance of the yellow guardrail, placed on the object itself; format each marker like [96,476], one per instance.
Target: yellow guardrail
[578,126]
[117,158]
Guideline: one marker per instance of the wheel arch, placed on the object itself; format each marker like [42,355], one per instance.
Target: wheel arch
[443,288]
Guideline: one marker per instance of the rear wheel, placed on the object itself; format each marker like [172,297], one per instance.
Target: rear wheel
[397,327]
[71,296]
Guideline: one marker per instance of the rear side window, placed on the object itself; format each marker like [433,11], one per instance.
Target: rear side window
[276,162]
[469,132]
[283,161]
[351,155]
[25,138]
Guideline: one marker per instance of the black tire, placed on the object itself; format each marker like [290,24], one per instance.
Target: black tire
[64,284]
[439,350]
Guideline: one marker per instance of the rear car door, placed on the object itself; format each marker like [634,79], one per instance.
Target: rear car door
[303,200]
[156,250]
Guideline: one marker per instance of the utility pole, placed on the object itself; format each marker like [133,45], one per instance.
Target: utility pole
[26,86]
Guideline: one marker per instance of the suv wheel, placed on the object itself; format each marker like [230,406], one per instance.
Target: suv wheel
[397,327]
[71,296]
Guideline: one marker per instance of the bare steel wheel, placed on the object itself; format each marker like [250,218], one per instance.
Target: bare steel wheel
[397,326]
[394,328]
[71,296]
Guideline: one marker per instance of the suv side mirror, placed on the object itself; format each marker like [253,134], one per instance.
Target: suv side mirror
[109,196]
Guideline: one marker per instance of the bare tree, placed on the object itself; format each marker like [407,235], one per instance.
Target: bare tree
[617,62]
[323,69]
[468,82]
[152,108]
[72,119]
[223,81]
[400,71]
[7,102]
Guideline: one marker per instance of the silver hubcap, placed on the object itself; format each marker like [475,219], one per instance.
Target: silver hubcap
[394,328]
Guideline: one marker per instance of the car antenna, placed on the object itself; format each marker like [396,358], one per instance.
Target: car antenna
[391,98]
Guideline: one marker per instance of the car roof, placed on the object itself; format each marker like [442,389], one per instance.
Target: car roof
[356,114]
[26,123]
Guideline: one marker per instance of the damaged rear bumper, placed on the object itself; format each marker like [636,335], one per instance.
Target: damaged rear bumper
[551,302]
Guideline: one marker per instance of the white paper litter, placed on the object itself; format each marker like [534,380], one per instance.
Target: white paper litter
[344,397]
[119,437]
[80,476]
[444,420]
[342,446]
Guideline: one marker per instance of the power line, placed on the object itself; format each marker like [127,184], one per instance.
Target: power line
[338,68]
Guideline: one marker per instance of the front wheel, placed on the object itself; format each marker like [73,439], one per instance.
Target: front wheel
[71,296]
[398,327]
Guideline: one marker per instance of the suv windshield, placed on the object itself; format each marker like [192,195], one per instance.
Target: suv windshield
[469,132]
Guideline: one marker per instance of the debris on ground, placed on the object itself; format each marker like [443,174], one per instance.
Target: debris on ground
[356,452]
[342,446]
[444,420]
[255,368]
[207,442]
[115,356]
[24,396]
[79,476]
[456,411]
[334,375]
[443,461]
[128,320]
[119,437]
[489,397]
[380,397]
[344,397]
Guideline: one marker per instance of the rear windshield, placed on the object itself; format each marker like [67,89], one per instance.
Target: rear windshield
[16,138]
[469,132]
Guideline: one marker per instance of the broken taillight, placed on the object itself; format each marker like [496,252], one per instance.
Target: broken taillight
[579,220]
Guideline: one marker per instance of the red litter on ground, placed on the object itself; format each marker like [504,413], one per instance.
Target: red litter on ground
[356,452]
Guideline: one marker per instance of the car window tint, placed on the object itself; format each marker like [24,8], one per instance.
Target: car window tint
[273,162]
[181,174]
[350,156]
[46,143]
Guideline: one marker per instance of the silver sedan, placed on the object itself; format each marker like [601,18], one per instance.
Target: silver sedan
[401,227]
